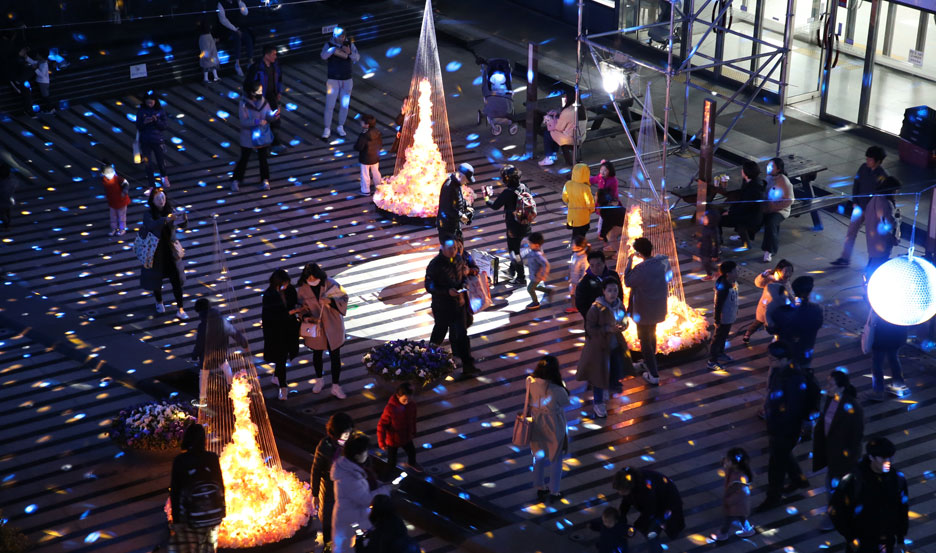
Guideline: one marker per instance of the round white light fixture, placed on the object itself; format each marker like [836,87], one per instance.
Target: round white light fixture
[902,291]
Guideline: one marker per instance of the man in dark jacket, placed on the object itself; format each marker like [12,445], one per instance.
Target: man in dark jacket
[656,499]
[746,215]
[453,209]
[445,281]
[196,495]
[266,71]
[338,429]
[798,324]
[368,145]
[592,284]
[507,200]
[870,507]
[869,178]
[785,412]
[151,121]
[648,281]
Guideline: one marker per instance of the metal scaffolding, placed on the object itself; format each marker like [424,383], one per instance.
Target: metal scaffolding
[760,66]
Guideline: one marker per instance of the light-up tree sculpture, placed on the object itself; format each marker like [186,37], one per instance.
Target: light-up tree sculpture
[647,214]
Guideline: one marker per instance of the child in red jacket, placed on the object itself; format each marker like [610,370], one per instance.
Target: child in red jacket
[397,427]
[117,192]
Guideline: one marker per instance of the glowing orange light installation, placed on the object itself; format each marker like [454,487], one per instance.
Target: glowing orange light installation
[414,191]
[684,327]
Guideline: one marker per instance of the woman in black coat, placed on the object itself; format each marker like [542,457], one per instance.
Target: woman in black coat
[280,326]
[161,220]
[746,214]
[838,435]
[337,431]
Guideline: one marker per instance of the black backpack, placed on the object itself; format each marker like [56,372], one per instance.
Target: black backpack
[202,503]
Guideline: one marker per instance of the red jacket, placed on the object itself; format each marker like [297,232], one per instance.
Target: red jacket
[114,192]
[397,425]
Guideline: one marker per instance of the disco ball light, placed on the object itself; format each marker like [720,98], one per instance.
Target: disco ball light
[902,291]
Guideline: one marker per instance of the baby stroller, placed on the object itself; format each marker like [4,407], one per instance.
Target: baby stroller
[497,91]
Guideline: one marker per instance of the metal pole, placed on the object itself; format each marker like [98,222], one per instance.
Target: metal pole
[687,46]
[889,28]
[576,134]
[921,30]
[531,95]
[666,100]
[785,69]
[870,53]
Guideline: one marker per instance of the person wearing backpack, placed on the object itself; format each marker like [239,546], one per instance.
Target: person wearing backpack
[196,496]
[519,214]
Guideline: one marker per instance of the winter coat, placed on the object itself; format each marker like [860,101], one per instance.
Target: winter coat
[368,144]
[871,506]
[601,338]
[887,336]
[164,260]
[726,301]
[787,405]
[326,453]
[798,325]
[880,226]
[779,195]
[562,128]
[152,132]
[208,52]
[577,267]
[589,289]
[328,309]
[452,204]
[548,403]
[610,184]
[190,468]
[736,499]
[773,290]
[577,195]
[259,72]
[251,113]
[507,199]
[116,191]
[749,210]
[658,501]
[353,497]
[537,265]
[280,329]
[838,445]
[339,68]
[867,182]
[444,274]
[648,282]
[397,424]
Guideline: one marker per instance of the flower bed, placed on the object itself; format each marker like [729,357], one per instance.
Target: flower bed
[152,426]
[418,362]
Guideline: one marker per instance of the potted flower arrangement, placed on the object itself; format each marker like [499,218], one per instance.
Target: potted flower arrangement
[418,362]
[153,429]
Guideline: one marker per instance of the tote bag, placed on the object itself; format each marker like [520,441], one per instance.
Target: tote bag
[867,335]
[145,248]
[479,292]
[523,425]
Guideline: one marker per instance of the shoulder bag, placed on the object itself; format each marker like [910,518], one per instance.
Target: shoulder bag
[144,246]
[309,329]
[178,251]
[523,425]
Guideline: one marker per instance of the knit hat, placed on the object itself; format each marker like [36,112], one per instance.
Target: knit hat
[881,447]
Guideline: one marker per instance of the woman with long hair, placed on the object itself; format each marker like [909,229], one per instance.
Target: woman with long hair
[161,220]
[353,492]
[324,304]
[549,438]
[605,358]
[280,326]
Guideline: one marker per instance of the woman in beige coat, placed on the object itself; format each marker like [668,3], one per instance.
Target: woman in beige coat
[549,439]
[605,357]
[324,304]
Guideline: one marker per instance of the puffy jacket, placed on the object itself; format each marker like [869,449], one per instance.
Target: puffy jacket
[368,144]
[353,497]
[117,191]
[151,132]
[326,452]
[773,290]
[649,289]
[577,195]
[251,113]
[871,506]
[563,129]
[397,424]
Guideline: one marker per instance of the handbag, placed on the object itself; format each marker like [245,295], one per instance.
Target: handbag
[178,251]
[144,246]
[523,425]
[309,329]
[479,292]
[867,335]
[261,136]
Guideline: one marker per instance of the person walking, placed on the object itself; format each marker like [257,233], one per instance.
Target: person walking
[709,245]
[736,497]
[280,326]
[508,200]
[785,411]
[870,507]
[337,431]
[353,493]
[798,323]
[7,195]
[208,52]
[549,438]
[725,313]
[649,284]
[324,304]
[604,359]
[560,130]
[577,267]
[117,194]
[445,281]
[774,282]
[656,500]
[869,178]
[160,219]
[268,73]
[747,214]
[232,15]
[151,121]
[885,341]
[453,209]
[397,427]
[838,435]
[196,495]
[341,54]
[882,224]
[368,146]
[591,285]
[255,116]
[776,207]
[538,266]
[577,195]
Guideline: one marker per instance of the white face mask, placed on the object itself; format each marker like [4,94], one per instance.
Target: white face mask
[312,281]
[109,173]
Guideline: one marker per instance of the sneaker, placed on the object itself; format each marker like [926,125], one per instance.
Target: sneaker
[266,185]
[340,130]
[571,310]
[160,308]
[640,367]
[767,257]
[746,339]
[121,232]
[747,530]
[840,262]
[554,497]
[518,281]
[113,232]
[238,70]
[541,495]
[337,391]
[235,186]
[655,380]
[601,411]
[364,192]
[182,314]
[713,366]
[216,79]
[283,394]
[533,306]
[899,389]
[873,397]
[317,385]
[547,161]
[325,134]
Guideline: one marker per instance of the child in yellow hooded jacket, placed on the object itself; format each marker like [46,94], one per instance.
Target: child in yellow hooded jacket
[577,195]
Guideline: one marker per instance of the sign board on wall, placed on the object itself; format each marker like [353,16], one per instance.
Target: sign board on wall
[915,58]
[138,71]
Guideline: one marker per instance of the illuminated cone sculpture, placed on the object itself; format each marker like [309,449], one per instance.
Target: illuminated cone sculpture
[424,158]
[647,214]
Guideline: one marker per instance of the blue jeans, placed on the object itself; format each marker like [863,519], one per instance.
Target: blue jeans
[539,472]
[878,356]
[242,38]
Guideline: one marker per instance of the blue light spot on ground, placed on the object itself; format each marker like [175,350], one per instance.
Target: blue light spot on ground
[77,179]
[80,130]
[148,44]
[223,57]
[477,81]
[233,95]
[295,42]
[79,37]
[291,106]
[165,48]
[143,52]
[225,144]
[175,140]
[647,458]
[199,98]
[116,130]
[453,66]
[393,51]
[131,117]
[26,133]
[472,136]
[31,508]
[222,114]
[92,537]
[471,145]
[294,142]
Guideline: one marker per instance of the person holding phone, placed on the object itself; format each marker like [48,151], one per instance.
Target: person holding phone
[353,493]
[255,115]
[516,230]
[445,281]
[341,54]
[160,219]
[267,72]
